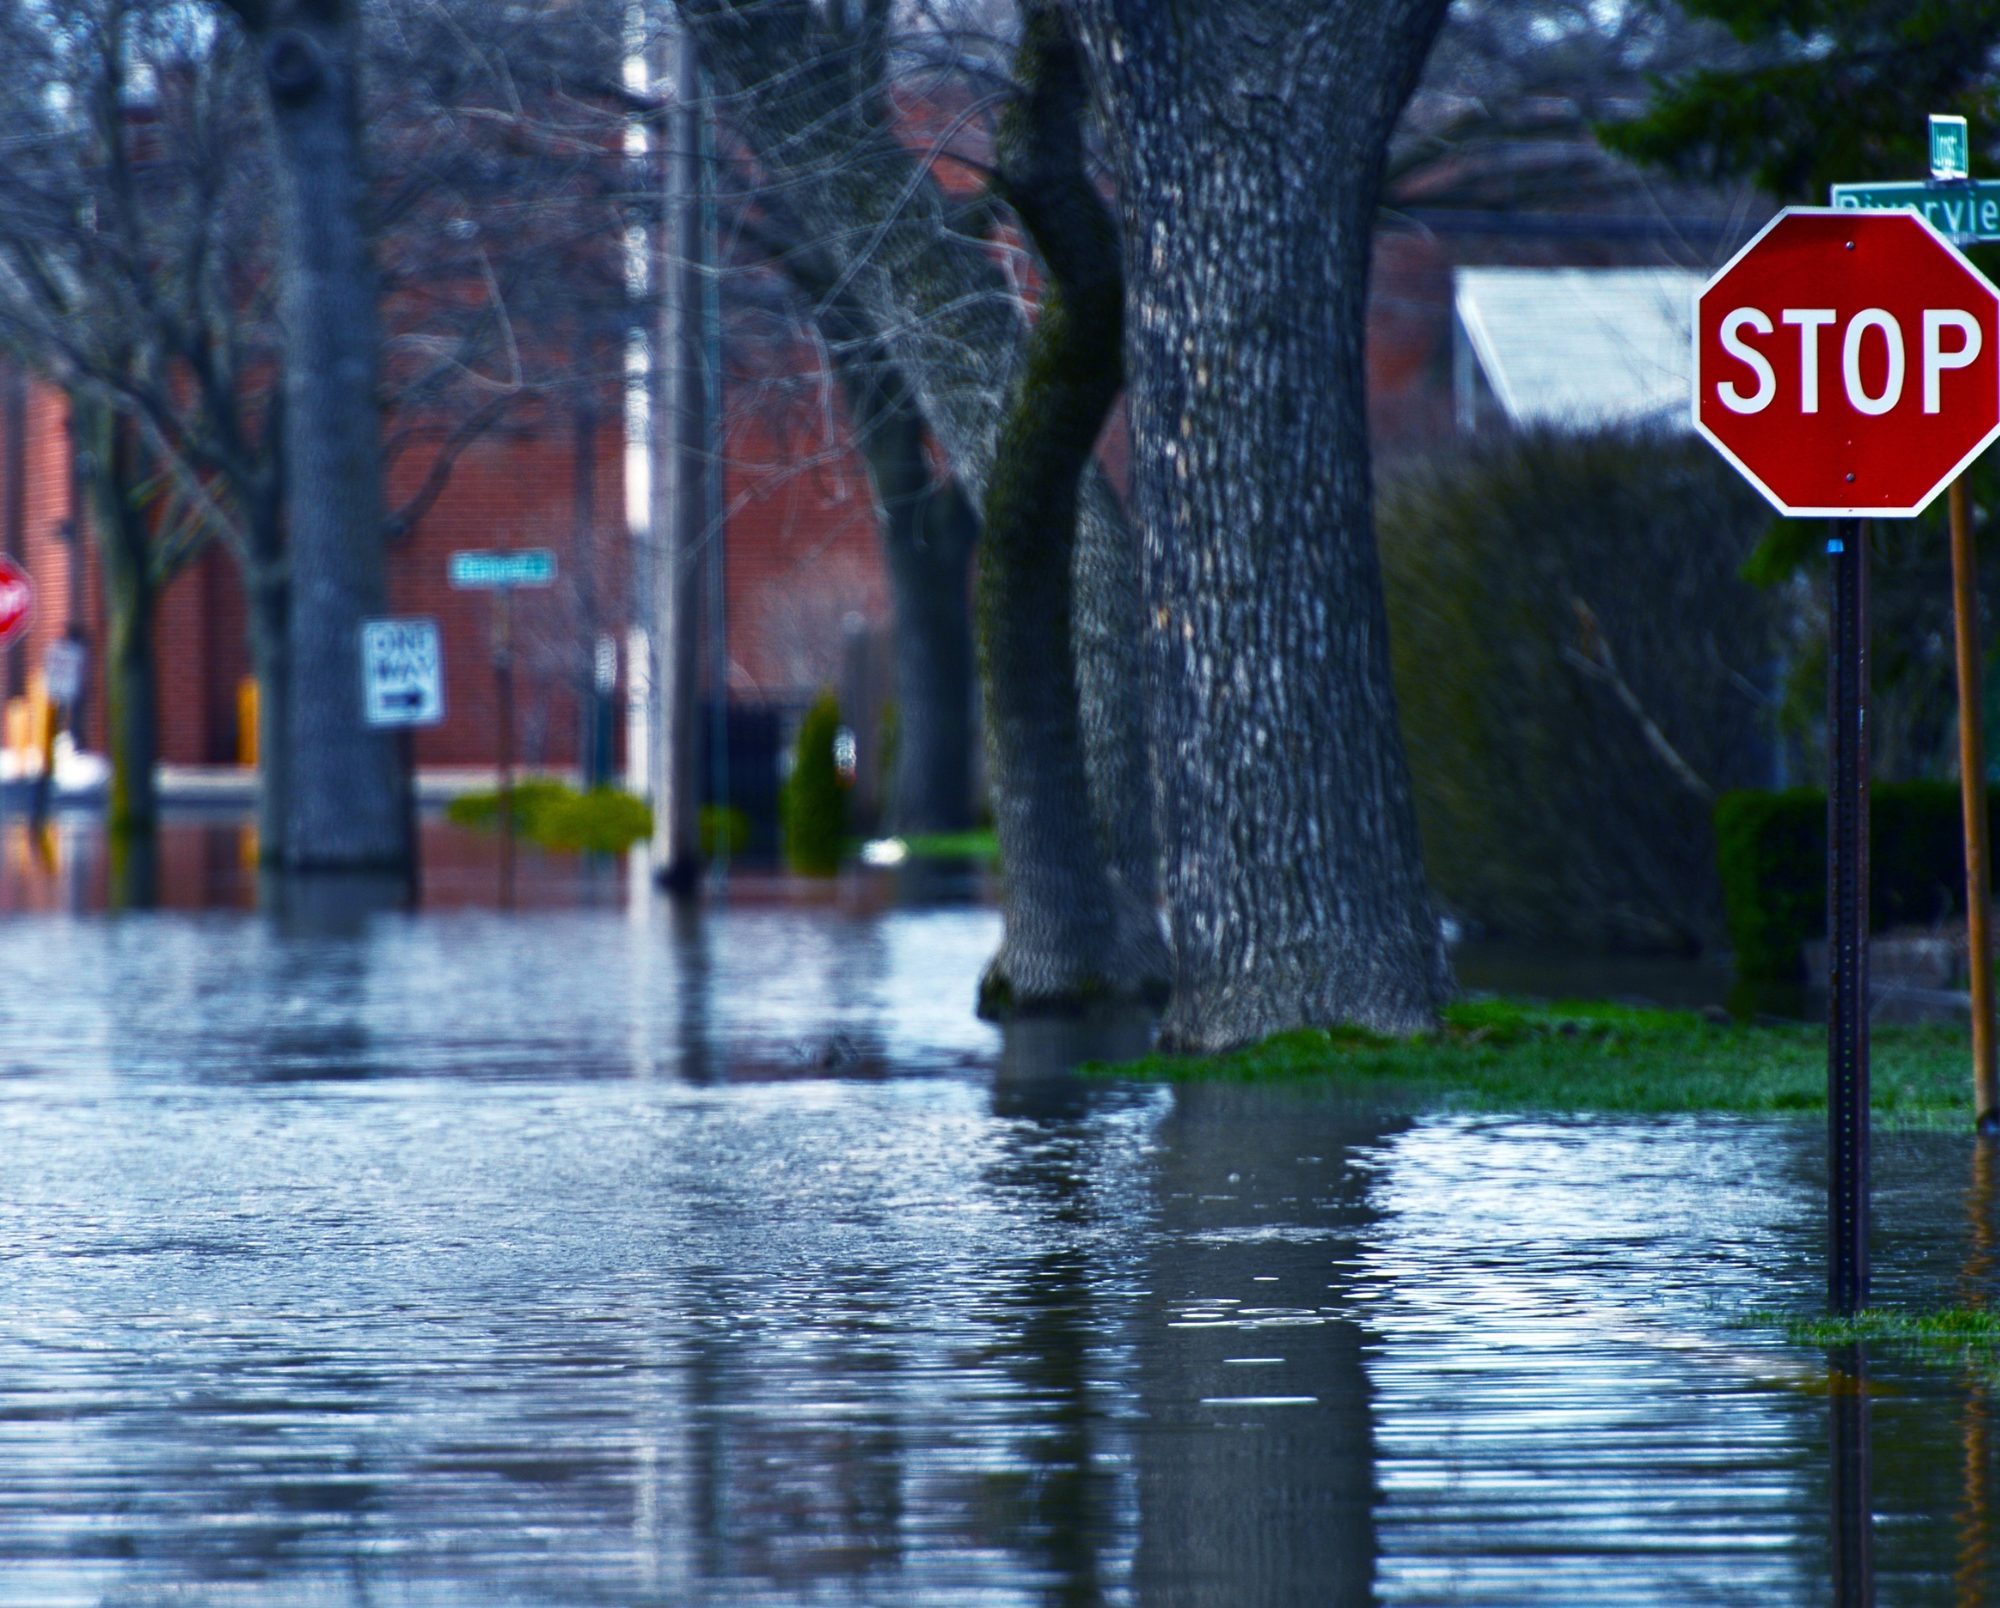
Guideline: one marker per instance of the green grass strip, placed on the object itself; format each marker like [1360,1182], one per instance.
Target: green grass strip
[979,845]
[1959,1331]
[1512,1055]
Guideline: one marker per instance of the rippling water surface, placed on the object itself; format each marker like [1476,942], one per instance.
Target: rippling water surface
[591,1256]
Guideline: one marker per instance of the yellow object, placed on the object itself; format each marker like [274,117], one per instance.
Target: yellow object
[30,727]
[246,721]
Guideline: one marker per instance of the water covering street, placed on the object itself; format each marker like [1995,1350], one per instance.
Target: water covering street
[596,1255]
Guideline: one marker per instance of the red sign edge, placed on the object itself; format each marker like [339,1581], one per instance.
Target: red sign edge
[1694,367]
[28,614]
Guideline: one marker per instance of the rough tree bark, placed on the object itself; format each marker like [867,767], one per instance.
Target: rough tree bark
[347,809]
[943,310]
[1074,931]
[1248,140]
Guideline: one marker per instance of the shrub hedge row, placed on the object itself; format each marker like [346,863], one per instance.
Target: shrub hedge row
[1771,851]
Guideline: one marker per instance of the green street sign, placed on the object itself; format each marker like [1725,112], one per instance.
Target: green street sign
[1964,212]
[532,566]
[1951,148]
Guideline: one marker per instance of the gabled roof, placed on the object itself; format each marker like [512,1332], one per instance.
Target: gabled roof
[1582,346]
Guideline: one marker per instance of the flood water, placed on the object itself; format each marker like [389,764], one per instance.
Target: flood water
[592,1255]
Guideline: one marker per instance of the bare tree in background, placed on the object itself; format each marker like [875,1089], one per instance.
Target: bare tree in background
[934,295]
[137,270]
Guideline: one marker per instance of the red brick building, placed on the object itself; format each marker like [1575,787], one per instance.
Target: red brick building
[800,560]
[799,556]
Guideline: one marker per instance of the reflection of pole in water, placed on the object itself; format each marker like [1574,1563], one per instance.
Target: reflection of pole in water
[1974,1524]
[1853,1493]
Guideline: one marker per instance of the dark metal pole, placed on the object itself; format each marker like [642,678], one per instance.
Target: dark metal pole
[406,757]
[1847,921]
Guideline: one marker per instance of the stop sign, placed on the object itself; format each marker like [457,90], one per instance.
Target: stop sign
[17,599]
[1848,363]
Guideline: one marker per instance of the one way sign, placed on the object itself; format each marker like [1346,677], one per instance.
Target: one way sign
[402,673]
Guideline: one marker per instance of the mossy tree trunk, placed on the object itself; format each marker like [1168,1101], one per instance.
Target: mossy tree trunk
[1074,931]
[1247,141]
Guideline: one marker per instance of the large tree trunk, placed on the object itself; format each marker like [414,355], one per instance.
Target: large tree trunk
[1074,932]
[1248,141]
[937,300]
[347,809]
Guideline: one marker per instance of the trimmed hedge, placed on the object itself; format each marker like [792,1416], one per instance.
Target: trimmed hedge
[1771,852]
[556,816]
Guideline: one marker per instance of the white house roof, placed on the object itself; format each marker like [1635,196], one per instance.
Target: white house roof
[1582,346]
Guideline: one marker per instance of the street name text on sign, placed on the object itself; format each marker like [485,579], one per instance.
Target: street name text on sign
[1848,363]
[17,599]
[1951,147]
[1966,212]
[402,673]
[473,569]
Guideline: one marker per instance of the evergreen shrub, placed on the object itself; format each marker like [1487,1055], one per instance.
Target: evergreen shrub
[813,806]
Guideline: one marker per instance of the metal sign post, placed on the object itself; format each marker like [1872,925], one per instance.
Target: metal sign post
[500,572]
[1847,916]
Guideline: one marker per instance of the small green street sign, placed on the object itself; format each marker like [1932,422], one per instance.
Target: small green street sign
[1951,148]
[1964,212]
[532,566]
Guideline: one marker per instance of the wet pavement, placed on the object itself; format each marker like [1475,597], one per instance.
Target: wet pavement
[592,1255]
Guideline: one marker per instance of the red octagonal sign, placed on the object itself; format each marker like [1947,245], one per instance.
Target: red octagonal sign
[1848,363]
[17,599]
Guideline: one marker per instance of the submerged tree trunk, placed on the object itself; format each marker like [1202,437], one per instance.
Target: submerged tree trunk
[131,693]
[346,802]
[271,664]
[1074,931]
[1248,142]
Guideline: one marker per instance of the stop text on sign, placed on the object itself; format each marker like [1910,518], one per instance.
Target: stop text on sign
[1848,363]
[1952,338]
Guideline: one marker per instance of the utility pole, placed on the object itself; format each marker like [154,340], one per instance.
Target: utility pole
[679,450]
